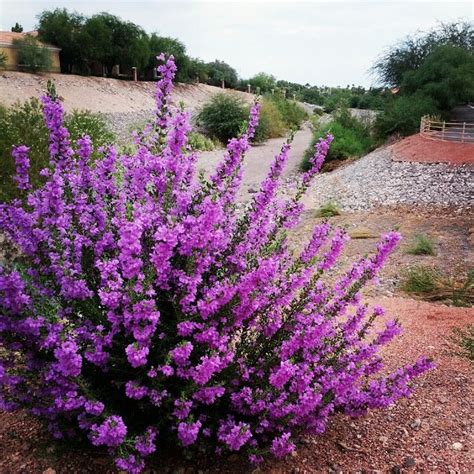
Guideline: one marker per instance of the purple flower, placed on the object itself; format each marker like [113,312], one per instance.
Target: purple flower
[188,432]
[110,433]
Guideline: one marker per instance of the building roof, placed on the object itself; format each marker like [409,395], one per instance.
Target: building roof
[7,38]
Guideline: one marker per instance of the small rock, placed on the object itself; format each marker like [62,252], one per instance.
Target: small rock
[457,446]
[383,439]
[415,424]
[294,454]
[443,400]
[408,462]
[50,470]
[395,470]
[252,190]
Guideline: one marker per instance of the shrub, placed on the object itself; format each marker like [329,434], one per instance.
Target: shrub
[199,142]
[3,59]
[271,124]
[352,138]
[328,210]
[24,123]
[420,279]
[293,115]
[422,245]
[32,55]
[147,311]
[464,338]
[223,116]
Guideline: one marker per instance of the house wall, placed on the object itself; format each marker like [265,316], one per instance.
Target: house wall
[12,65]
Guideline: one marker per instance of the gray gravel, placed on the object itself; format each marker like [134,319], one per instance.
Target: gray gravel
[375,180]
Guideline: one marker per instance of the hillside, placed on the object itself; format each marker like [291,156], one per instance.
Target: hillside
[99,94]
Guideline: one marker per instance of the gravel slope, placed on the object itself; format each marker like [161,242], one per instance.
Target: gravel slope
[375,180]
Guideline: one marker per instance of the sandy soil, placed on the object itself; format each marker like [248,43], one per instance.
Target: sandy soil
[99,94]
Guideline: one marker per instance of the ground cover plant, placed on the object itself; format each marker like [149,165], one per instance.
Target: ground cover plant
[146,310]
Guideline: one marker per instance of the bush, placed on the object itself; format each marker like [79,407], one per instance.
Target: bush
[223,117]
[328,210]
[24,123]
[199,142]
[419,279]
[464,338]
[352,138]
[271,124]
[3,59]
[32,55]
[147,311]
[422,245]
[403,115]
[293,115]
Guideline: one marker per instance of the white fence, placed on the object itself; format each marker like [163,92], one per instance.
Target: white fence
[462,132]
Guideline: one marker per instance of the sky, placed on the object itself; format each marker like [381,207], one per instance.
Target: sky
[322,43]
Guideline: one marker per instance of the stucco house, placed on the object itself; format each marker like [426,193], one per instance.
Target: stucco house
[9,50]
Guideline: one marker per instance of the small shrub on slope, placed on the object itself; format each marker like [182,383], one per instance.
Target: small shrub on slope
[223,116]
[145,311]
[422,245]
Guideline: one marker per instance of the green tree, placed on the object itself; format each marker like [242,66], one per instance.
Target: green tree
[409,54]
[263,83]
[219,71]
[162,44]
[112,41]
[17,28]
[446,76]
[32,55]
[65,30]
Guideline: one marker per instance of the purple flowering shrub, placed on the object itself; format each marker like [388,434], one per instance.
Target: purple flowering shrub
[144,308]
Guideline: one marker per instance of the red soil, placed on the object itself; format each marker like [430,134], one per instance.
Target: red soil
[425,150]
[431,431]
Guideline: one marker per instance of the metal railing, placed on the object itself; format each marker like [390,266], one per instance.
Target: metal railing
[454,131]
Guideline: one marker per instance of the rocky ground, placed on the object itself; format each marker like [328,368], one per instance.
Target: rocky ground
[376,180]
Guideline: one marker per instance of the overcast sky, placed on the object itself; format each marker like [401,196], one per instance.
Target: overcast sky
[323,43]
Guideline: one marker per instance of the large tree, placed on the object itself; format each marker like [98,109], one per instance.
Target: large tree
[64,29]
[409,54]
[163,44]
[219,71]
[116,42]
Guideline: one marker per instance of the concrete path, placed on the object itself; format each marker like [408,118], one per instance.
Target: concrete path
[259,158]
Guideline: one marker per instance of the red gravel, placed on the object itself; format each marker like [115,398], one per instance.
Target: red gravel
[425,150]
[418,434]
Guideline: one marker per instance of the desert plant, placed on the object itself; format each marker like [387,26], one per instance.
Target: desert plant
[292,114]
[352,138]
[464,339]
[271,123]
[32,55]
[3,59]
[329,209]
[420,279]
[199,142]
[146,310]
[422,245]
[23,122]
[223,116]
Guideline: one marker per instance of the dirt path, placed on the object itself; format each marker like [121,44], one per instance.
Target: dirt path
[259,158]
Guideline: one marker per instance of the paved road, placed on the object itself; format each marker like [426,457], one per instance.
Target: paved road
[258,159]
